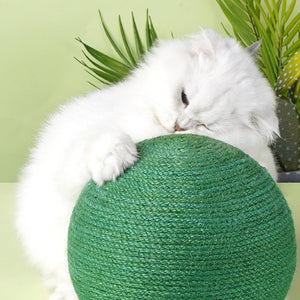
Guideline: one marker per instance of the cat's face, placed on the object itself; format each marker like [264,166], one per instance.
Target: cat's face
[211,83]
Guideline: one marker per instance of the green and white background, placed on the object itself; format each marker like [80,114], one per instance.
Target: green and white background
[38,72]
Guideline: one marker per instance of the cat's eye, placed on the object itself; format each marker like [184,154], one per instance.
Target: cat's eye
[184,98]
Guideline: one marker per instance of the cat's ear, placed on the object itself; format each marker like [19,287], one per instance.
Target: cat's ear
[253,49]
[203,44]
[266,124]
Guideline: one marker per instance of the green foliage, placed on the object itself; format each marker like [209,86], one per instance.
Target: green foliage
[271,22]
[109,70]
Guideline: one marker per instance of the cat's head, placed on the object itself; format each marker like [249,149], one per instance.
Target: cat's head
[212,82]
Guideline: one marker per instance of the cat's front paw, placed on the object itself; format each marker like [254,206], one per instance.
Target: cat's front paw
[110,156]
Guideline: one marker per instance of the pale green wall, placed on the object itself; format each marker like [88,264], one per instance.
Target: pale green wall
[37,68]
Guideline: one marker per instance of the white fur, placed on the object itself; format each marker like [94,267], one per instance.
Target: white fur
[95,136]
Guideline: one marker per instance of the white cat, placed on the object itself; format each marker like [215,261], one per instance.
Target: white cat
[203,84]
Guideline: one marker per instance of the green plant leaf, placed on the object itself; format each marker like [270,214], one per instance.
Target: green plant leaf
[268,58]
[106,60]
[108,77]
[98,78]
[113,43]
[126,44]
[267,49]
[153,32]
[282,14]
[295,21]
[249,28]
[273,40]
[275,11]
[267,21]
[226,30]
[237,9]
[292,32]
[109,70]
[106,70]
[288,12]
[241,27]
[239,38]
[148,32]
[138,41]
[271,13]
[95,86]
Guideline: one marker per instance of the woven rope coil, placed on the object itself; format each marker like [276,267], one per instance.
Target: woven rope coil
[194,218]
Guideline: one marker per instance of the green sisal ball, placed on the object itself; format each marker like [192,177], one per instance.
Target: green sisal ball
[194,218]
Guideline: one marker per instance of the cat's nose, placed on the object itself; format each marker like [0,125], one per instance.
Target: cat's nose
[177,127]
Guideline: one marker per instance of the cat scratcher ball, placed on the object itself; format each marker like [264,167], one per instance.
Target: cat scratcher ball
[194,218]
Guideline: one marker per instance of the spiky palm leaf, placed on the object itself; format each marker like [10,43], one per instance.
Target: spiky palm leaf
[109,70]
